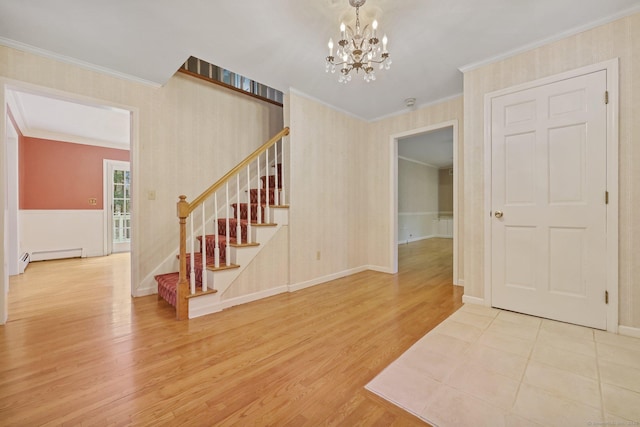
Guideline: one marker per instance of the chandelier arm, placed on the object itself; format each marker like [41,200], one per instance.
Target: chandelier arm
[358,49]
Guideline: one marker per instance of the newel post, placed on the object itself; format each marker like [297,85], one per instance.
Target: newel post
[182,305]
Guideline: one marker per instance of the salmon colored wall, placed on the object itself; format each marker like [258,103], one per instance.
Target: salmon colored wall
[62,175]
[20,153]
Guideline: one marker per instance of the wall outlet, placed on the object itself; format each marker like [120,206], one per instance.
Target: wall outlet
[318,256]
[151,194]
[93,201]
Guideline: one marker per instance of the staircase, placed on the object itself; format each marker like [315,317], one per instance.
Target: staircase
[212,257]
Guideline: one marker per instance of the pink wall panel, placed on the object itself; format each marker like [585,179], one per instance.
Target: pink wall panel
[20,156]
[62,175]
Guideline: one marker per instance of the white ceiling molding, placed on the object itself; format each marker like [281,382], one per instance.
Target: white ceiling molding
[419,162]
[73,139]
[547,40]
[46,117]
[417,107]
[73,61]
[146,41]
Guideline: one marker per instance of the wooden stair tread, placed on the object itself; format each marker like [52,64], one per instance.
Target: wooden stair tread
[242,245]
[212,267]
[200,292]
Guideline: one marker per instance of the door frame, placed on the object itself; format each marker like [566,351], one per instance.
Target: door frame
[108,166]
[612,208]
[7,84]
[393,182]
[12,207]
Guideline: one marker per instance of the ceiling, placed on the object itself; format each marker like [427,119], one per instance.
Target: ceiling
[434,148]
[56,119]
[282,43]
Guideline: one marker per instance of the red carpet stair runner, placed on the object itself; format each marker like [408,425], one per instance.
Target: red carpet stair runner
[167,283]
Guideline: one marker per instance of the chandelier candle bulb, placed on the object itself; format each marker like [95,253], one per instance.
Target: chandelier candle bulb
[358,49]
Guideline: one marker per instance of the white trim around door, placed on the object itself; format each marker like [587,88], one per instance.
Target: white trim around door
[393,190]
[612,208]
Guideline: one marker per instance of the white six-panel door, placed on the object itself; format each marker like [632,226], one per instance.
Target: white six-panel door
[549,179]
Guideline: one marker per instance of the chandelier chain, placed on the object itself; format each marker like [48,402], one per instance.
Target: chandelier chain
[358,49]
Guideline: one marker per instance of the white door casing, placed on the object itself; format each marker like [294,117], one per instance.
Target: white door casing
[550,253]
[111,242]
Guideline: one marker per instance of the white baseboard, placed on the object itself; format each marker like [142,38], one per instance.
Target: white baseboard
[629,331]
[472,300]
[460,282]
[415,239]
[379,269]
[232,302]
[145,291]
[327,278]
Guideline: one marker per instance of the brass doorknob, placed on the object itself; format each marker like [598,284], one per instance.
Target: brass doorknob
[499,214]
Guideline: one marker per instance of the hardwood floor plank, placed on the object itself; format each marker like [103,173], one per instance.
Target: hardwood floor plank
[78,350]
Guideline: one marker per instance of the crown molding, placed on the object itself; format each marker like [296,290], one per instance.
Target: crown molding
[72,61]
[563,35]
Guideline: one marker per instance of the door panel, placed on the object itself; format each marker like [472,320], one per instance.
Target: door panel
[549,181]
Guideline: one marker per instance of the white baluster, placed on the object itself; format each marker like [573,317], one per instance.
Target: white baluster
[276,190]
[204,249]
[283,199]
[249,240]
[238,216]
[259,194]
[227,252]
[216,249]
[192,274]
[268,196]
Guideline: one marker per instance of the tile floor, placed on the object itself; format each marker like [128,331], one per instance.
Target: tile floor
[488,367]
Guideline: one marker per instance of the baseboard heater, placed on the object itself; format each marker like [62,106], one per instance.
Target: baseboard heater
[24,261]
[56,254]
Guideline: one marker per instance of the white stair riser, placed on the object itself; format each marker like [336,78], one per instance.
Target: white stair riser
[222,279]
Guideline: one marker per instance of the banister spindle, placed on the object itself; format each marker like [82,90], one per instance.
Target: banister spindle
[249,240]
[268,195]
[192,274]
[227,248]
[216,249]
[204,249]
[276,190]
[283,198]
[259,193]
[238,216]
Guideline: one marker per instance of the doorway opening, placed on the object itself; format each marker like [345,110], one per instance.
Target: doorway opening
[117,206]
[57,173]
[424,187]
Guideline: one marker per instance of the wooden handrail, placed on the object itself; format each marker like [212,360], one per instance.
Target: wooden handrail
[209,191]
[184,209]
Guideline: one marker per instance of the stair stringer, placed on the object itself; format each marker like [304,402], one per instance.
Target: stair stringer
[221,280]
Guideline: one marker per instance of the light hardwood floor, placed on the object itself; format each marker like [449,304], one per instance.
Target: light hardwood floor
[78,350]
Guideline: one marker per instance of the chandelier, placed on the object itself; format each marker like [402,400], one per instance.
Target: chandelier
[358,49]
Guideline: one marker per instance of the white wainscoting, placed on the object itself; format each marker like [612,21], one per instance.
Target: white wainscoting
[443,226]
[414,226]
[54,234]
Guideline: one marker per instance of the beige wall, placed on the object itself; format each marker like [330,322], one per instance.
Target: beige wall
[377,158]
[620,39]
[328,194]
[417,200]
[445,191]
[187,134]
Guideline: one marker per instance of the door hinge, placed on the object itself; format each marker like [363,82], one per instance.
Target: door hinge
[606,297]
[606,197]
[606,96]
